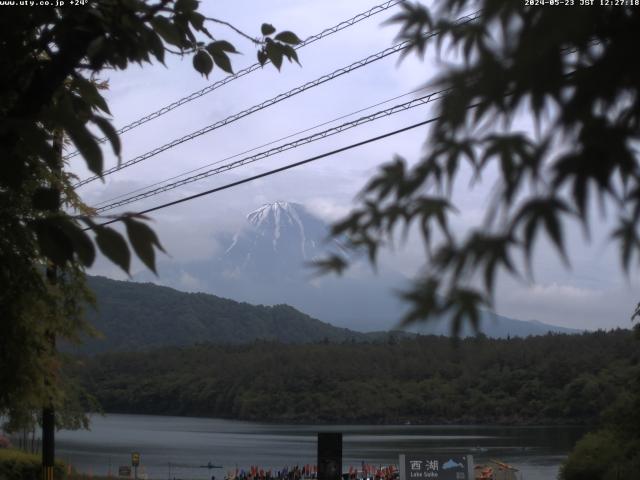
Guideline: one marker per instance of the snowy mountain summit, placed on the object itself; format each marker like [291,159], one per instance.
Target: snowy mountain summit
[274,211]
[281,229]
[280,239]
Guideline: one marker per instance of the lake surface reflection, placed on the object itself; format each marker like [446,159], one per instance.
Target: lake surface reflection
[177,446]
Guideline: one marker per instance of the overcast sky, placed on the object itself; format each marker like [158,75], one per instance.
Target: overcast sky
[592,294]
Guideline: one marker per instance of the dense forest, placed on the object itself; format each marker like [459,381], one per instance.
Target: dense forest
[545,379]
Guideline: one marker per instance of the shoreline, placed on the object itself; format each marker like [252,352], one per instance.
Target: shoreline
[365,422]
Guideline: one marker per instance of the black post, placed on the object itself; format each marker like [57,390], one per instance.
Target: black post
[48,442]
[329,456]
[48,413]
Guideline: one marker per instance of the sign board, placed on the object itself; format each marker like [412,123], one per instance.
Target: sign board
[436,466]
[135,459]
[124,471]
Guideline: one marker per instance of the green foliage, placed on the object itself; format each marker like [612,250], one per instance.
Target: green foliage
[203,62]
[612,451]
[570,74]
[538,380]
[603,455]
[218,50]
[278,47]
[267,29]
[31,366]
[593,456]
[18,465]
[50,97]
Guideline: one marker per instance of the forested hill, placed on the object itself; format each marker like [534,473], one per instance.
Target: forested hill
[544,379]
[137,316]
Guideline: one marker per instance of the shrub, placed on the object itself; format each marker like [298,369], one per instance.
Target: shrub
[18,465]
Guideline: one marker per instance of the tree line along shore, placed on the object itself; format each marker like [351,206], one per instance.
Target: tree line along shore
[551,379]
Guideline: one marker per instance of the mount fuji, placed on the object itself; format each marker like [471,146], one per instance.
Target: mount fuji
[280,239]
[267,263]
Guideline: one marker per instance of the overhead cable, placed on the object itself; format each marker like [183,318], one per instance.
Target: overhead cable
[279,149]
[241,73]
[267,103]
[277,170]
[236,155]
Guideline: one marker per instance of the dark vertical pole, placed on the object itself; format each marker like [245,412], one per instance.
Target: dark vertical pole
[48,441]
[48,413]
[329,456]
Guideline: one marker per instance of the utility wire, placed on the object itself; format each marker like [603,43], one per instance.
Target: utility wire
[277,170]
[279,149]
[241,73]
[277,99]
[231,157]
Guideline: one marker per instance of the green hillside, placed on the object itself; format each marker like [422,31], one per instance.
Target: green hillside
[544,379]
[138,316]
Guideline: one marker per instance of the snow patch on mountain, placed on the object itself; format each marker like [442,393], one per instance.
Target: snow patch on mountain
[296,218]
[278,219]
[233,243]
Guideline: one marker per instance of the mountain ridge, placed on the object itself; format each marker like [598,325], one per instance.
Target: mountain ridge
[134,316]
[141,316]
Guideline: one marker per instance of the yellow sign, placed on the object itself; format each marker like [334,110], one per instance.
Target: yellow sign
[135,459]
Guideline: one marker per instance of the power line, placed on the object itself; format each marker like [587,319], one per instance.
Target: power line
[231,157]
[279,149]
[241,73]
[267,103]
[277,170]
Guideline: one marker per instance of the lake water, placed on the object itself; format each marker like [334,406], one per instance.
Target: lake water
[177,446]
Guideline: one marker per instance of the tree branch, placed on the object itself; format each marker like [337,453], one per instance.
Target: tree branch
[182,53]
[235,29]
